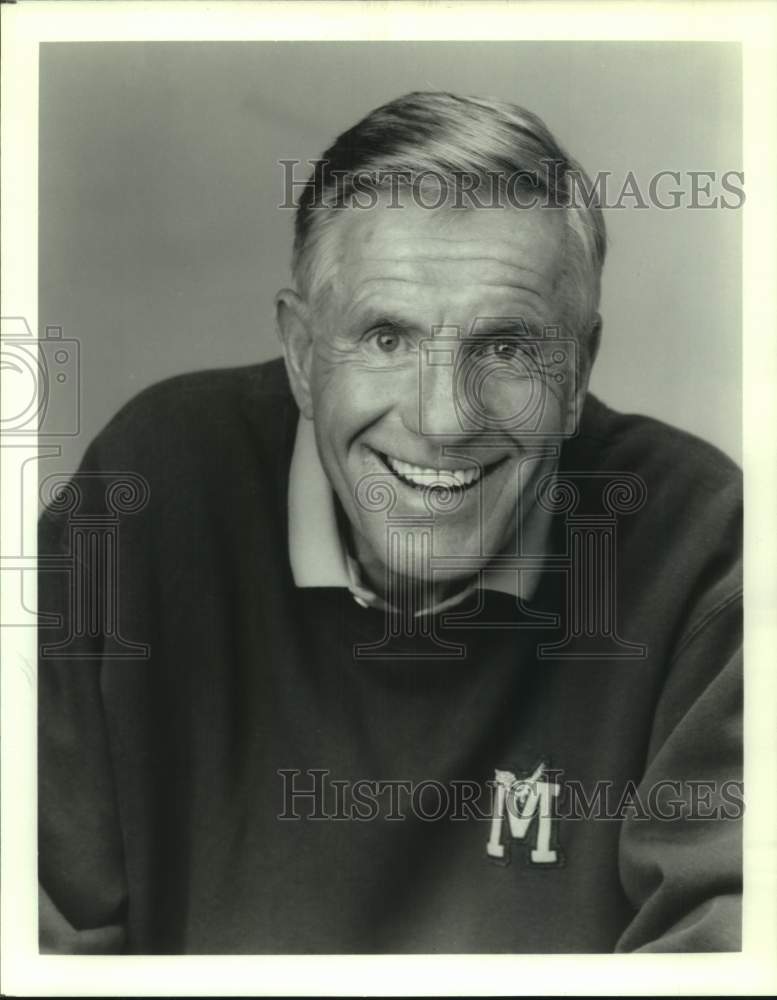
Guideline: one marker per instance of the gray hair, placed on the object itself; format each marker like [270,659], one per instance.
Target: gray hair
[457,138]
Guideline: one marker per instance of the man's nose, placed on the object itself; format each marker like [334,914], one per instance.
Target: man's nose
[438,412]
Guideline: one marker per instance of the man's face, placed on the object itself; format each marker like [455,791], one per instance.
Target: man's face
[385,412]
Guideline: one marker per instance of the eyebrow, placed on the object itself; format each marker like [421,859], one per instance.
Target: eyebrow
[488,326]
[382,317]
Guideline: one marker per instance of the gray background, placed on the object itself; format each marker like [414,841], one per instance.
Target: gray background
[161,244]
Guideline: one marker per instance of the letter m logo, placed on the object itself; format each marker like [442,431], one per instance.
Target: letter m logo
[525,804]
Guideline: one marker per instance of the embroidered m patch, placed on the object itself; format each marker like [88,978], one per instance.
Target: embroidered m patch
[525,806]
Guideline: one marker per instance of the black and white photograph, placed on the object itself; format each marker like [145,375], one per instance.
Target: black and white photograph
[373,454]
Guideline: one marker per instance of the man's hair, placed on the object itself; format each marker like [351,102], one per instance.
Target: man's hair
[463,142]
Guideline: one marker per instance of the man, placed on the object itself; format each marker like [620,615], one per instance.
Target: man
[409,644]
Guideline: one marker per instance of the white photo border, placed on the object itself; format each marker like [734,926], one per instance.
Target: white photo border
[754,970]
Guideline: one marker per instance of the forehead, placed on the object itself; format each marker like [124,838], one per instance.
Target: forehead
[444,265]
[409,252]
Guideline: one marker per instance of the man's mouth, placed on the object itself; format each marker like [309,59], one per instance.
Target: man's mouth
[423,477]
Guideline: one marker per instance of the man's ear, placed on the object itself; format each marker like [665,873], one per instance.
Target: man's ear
[590,349]
[297,338]
[594,340]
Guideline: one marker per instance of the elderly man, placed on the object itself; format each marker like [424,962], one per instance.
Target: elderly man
[409,643]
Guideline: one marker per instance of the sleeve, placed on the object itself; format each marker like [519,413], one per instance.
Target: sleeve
[681,861]
[83,891]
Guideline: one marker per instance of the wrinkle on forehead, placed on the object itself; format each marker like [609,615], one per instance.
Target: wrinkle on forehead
[516,252]
[369,287]
[519,251]
[472,279]
[409,233]
[440,258]
[443,248]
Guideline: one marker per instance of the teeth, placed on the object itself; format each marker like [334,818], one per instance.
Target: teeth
[421,476]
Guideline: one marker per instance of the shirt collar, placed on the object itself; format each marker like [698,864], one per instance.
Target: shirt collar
[318,553]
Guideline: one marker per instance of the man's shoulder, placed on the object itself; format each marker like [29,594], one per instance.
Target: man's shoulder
[677,500]
[227,389]
[666,457]
[204,407]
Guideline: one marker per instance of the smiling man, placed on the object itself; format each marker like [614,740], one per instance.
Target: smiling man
[363,372]
[410,643]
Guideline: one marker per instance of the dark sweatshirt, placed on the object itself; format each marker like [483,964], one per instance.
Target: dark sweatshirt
[176,736]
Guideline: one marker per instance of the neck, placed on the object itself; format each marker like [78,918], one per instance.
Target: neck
[407,582]
[404,577]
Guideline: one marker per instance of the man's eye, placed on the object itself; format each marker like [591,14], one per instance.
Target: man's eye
[387,341]
[507,348]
